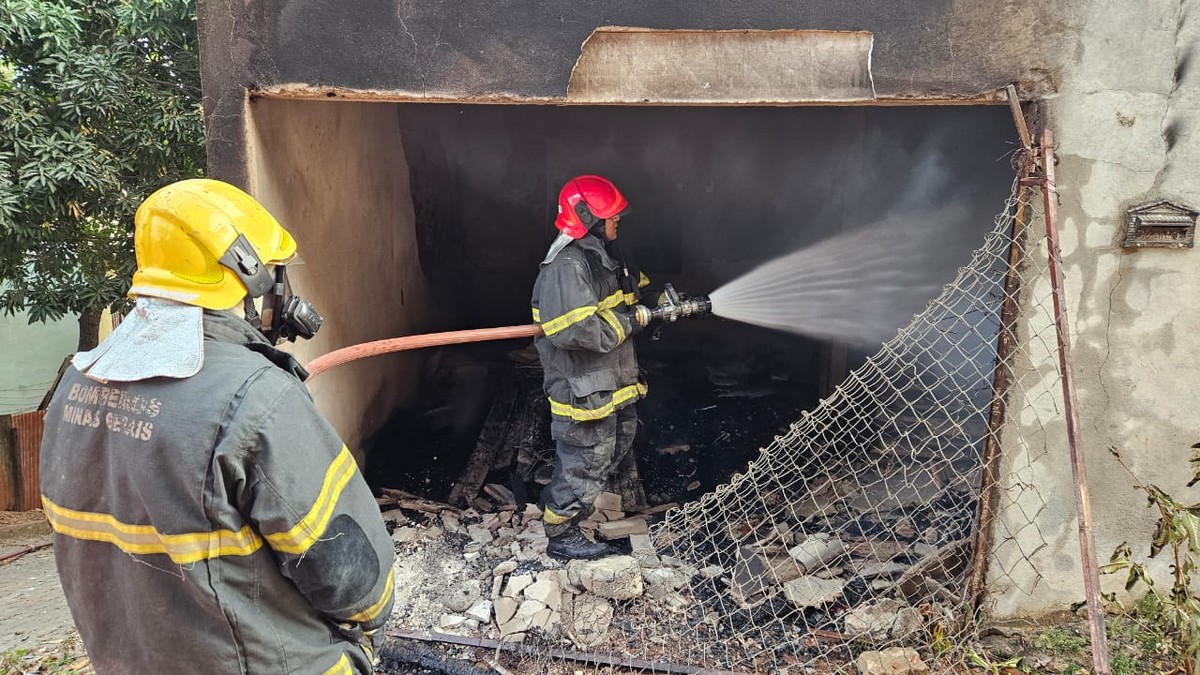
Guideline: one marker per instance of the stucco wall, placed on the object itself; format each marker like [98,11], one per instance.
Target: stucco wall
[335,175]
[1125,128]
[30,355]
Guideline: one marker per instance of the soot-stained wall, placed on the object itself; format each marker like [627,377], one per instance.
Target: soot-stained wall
[335,175]
[713,191]
[485,50]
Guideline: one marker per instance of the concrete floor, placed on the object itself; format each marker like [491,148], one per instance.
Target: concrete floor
[35,610]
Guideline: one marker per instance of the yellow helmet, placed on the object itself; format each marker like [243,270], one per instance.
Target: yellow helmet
[204,242]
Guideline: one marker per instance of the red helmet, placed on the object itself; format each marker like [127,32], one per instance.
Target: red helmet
[585,201]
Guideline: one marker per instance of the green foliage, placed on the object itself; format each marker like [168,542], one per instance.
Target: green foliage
[1178,611]
[1061,640]
[99,106]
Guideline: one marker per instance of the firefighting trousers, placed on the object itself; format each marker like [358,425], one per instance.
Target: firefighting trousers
[582,472]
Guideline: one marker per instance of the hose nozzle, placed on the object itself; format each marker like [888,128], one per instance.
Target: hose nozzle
[674,306]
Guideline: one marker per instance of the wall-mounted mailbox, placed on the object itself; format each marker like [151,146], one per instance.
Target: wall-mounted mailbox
[1160,224]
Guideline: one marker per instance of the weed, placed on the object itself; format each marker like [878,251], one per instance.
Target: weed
[1170,622]
[1062,640]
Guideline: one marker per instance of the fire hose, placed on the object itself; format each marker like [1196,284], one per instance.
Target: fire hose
[672,307]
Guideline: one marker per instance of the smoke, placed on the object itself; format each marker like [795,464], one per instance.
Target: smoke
[860,286]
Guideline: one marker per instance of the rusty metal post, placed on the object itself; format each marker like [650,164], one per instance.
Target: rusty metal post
[989,482]
[989,486]
[1083,506]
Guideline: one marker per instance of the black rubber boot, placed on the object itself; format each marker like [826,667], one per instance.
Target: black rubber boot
[572,545]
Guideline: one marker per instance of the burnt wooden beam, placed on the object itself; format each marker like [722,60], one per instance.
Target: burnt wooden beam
[566,655]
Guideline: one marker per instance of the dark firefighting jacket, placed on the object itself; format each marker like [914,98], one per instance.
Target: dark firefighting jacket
[213,524]
[590,369]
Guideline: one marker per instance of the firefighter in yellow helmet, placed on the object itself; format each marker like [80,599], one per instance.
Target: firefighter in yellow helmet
[207,518]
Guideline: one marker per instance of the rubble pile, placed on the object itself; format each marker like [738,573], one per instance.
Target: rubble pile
[818,562]
[485,574]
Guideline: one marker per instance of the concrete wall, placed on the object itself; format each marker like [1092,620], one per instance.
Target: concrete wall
[1125,120]
[335,175]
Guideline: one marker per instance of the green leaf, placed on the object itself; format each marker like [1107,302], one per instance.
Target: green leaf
[99,106]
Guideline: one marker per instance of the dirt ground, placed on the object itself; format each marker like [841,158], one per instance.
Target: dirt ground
[36,631]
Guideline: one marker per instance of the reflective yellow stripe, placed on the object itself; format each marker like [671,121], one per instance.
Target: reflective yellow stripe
[145,540]
[553,518]
[617,299]
[585,415]
[537,315]
[612,301]
[304,533]
[643,280]
[342,667]
[371,613]
[566,320]
[611,319]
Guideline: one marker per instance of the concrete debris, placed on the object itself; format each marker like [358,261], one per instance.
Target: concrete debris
[479,533]
[450,621]
[394,517]
[405,535]
[882,619]
[643,550]
[664,583]
[616,578]
[616,529]
[533,597]
[505,608]
[590,620]
[817,550]
[516,584]
[893,661]
[462,598]
[481,611]
[750,581]
[546,590]
[608,501]
[870,569]
[813,592]
[530,614]
[451,522]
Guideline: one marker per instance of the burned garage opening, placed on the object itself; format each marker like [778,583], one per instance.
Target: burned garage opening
[715,192]
[824,433]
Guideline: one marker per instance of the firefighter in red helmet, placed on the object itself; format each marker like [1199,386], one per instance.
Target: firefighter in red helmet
[583,300]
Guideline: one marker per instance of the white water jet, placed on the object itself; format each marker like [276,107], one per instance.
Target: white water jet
[861,286]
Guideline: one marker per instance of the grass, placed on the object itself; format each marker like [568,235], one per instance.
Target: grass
[63,657]
[1137,644]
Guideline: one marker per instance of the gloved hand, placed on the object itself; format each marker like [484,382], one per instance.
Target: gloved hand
[377,638]
[640,317]
[370,640]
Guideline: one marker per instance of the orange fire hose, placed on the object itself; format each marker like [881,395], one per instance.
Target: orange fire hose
[400,344]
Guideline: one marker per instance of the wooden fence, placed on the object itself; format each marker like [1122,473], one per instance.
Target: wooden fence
[20,451]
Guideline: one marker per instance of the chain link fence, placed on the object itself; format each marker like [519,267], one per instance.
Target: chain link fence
[875,521]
